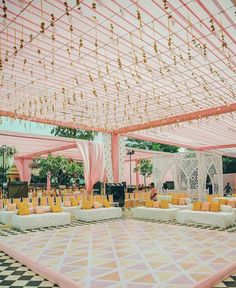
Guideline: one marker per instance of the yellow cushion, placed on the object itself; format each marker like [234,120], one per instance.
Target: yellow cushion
[215,207]
[164,204]
[106,204]
[44,201]
[175,201]
[222,201]
[17,202]
[149,203]
[86,205]
[209,198]
[74,202]
[51,201]
[56,208]
[58,201]
[197,206]
[23,209]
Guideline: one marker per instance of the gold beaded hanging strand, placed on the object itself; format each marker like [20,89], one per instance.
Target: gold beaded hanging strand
[1,67]
[42,25]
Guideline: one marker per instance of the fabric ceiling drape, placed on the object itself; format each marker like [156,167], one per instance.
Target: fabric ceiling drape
[94,163]
[24,169]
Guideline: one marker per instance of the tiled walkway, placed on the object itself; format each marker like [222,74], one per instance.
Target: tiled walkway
[124,253]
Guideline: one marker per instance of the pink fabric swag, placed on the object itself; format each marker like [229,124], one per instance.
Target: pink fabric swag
[94,164]
[24,169]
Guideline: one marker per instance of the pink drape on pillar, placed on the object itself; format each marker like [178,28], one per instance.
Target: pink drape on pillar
[115,147]
[94,164]
[24,169]
[137,173]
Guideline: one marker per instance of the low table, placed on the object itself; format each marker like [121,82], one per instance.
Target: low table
[219,219]
[98,214]
[155,213]
[34,221]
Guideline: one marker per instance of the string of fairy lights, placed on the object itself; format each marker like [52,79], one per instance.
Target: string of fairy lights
[113,64]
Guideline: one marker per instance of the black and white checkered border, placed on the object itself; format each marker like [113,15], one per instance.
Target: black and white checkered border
[194,225]
[14,274]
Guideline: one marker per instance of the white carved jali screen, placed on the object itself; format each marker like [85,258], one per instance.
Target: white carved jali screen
[189,171]
[106,138]
[107,155]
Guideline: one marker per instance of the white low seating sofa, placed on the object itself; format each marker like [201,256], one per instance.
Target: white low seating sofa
[89,215]
[72,209]
[179,207]
[33,221]
[6,216]
[155,213]
[219,219]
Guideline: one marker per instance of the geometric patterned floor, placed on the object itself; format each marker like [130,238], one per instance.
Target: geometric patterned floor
[14,274]
[124,253]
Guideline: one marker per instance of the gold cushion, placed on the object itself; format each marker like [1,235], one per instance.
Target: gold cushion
[222,201]
[164,204]
[74,202]
[215,207]
[149,203]
[197,206]
[86,205]
[106,204]
[23,209]
[56,208]
[175,201]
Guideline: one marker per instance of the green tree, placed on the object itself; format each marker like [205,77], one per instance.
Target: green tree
[229,165]
[61,169]
[74,170]
[73,133]
[6,159]
[145,169]
[147,145]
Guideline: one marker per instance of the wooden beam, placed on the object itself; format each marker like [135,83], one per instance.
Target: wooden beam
[180,118]
[51,122]
[48,151]
[216,147]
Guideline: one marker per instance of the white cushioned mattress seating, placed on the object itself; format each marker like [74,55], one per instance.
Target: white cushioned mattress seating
[216,199]
[6,216]
[155,213]
[33,221]
[219,219]
[180,207]
[98,214]
[72,209]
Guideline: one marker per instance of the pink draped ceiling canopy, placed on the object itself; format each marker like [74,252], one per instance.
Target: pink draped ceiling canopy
[123,66]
